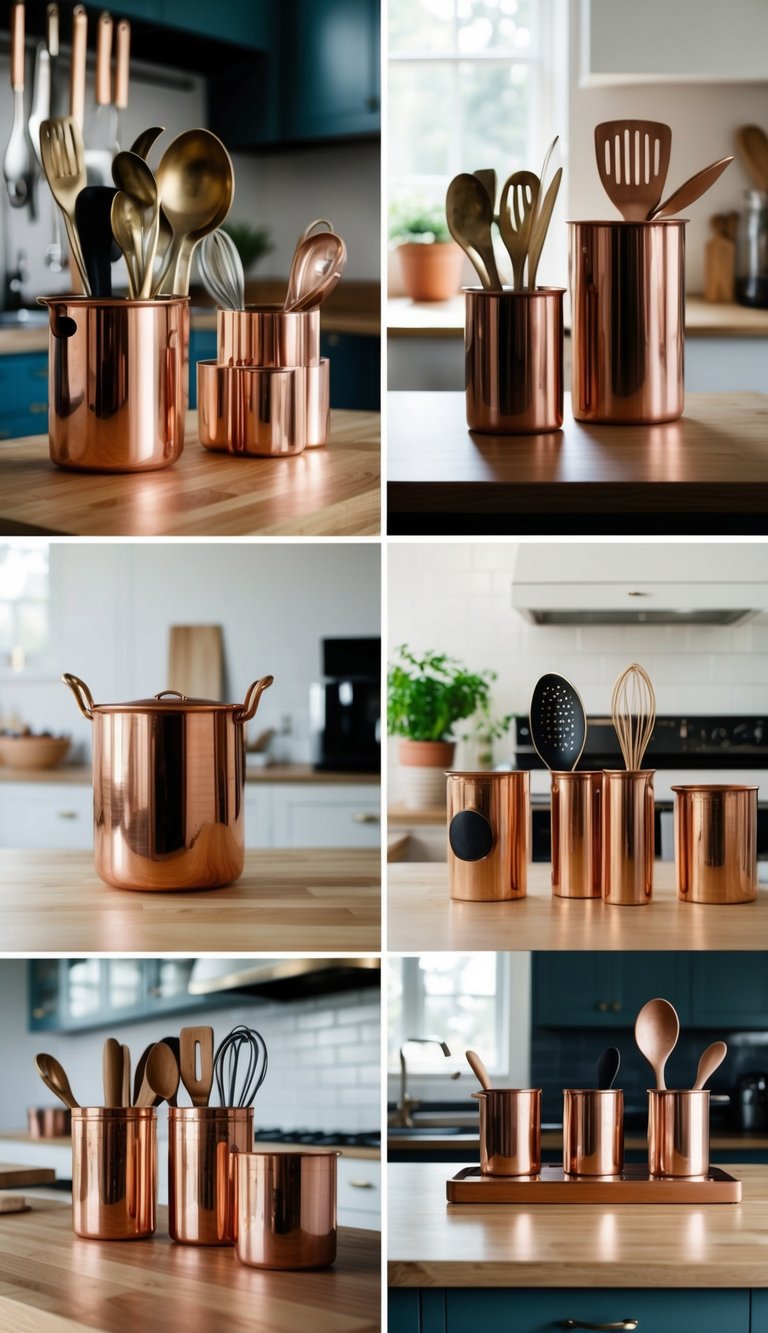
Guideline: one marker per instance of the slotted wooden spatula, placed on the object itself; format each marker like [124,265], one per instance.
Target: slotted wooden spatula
[198,1086]
[633,160]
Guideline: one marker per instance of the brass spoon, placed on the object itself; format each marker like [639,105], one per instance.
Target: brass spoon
[161,1076]
[132,175]
[479,1070]
[317,266]
[126,229]
[710,1060]
[142,146]
[657,1028]
[54,1078]
[469,214]
[196,187]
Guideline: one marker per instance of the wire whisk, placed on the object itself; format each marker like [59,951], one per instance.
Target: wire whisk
[240,1066]
[633,710]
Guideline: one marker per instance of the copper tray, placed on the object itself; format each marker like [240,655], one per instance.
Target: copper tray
[634,1185]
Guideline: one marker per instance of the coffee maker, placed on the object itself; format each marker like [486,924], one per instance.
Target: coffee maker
[345,707]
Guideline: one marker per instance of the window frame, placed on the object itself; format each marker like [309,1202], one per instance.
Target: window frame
[36,666]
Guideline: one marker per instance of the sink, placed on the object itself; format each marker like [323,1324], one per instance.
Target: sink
[23,319]
[429,1131]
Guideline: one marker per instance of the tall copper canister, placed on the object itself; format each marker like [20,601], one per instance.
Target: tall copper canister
[114,1172]
[716,843]
[593,1131]
[203,1143]
[510,1131]
[628,837]
[577,835]
[268,335]
[488,835]
[286,1209]
[628,310]
[118,382]
[678,1132]
[513,345]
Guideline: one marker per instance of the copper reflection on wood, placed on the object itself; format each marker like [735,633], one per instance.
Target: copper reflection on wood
[678,1132]
[114,1172]
[628,837]
[510,1131]
[593,1132]
[576,835]
[513,344]
[203,1143]
[502,800]
[286,1209]
[716,843]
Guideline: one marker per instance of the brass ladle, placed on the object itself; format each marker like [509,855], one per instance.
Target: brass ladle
[126,229]
[196,187]
[136,180]
[469,213]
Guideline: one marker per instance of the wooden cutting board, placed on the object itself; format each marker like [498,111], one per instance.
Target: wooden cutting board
[13,1177]
[196,661]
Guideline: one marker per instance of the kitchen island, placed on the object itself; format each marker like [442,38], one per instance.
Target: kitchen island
[422,915]
[51,1280]
[285,901]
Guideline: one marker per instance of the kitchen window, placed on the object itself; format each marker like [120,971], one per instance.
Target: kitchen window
[24,603]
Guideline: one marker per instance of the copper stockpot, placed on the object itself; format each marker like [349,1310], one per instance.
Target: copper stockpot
[510,1131]
[203,1143]
[286,1209]
[114,1172]
[49,1122]
[678,1132]
[488,835]
[593,1131]
[268,335]
[168,781]
[118,382]
[628,837]
[716,843]
[576,834]
[513,344]
[628,314]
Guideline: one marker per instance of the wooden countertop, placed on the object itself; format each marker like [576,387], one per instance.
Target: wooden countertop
[328,492]
[51,1280]
[423,816]
[282,774]
[714,460]
[434,1244]
[421,915]
[18,1177]
[292,901]
[552,1140]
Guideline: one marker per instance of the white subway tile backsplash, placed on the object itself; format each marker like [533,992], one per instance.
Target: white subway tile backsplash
[323,1019]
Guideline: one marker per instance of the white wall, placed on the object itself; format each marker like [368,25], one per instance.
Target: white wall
[112,605]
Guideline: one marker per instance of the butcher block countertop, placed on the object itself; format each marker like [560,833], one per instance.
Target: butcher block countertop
[422,915]
[328,492]
[434,1244]
[282,774]
[14,1177]
[286,901]
[51,1281]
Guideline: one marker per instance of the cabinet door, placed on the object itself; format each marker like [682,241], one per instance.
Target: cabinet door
[326,816]
[689,41]
[403,1315]
[729,989]
[647,975]
[705,1311]
[759,1311]
[359,1193]
[355,370]
[576,990]
[51,816]
[333,65]
[202,347]
[259,816]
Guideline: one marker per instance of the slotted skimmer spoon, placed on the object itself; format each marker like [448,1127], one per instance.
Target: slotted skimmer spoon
[558,723]
[517,210]
[633,160]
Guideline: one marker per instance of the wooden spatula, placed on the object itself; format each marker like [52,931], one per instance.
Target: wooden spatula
[691,190]
[190,1041]
[113,1072]
[633,160]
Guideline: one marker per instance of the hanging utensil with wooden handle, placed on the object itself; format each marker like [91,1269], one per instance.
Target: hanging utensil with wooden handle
[18,165]
[77,67]
[632,162]
[196,1063]
[122,80]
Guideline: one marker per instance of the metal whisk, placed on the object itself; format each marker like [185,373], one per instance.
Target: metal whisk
[633,710]
[240,1066]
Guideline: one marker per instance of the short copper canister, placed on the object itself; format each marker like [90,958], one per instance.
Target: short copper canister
[593,1131]
[114,1172]
[286,1209]
[678,1132]
[488,835]
[716,843]
[628,837]
[203,1143]
[510,1131]
[577,834]
[513,345]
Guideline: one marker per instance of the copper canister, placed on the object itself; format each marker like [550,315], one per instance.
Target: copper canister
[513,344]
[268,335]
[628,313]
[510,1131]
[118,382]
[203,1143]
[271,412]
[49,1122]
[593,1131]
[576,834]
[628,837]
[217,419]
[488,835]
[114,1172]
[678,1132]
[716,843]
[286,1209]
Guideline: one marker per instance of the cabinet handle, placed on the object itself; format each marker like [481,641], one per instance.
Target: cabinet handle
[602,1006]
[362,1184]
[68,814]
[37,409]
[366,817]
[615,1006]
[38,1013]
[622,1323]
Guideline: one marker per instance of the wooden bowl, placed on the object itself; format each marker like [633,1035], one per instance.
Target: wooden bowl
[33,752]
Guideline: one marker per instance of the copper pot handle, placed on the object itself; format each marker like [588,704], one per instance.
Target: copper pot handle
[83,696]
[175,693]
[251,702]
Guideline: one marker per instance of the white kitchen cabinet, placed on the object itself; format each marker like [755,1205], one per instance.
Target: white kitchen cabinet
[359,1193]
[50,815]
[688,41]
[326,816]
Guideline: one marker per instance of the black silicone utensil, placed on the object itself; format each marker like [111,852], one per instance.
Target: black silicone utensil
[607,1068]
[558,723]
[92,216]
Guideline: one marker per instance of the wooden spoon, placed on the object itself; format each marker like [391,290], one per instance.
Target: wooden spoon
[479,1070]
[112,1072]
[607,1068]
[161,1076]
[54,1078]
[516,222]
[752,143]
[198,1086]
[487,178]
[690,190]
[710,1060]
[469,215]
[657,1028]
[125,1085]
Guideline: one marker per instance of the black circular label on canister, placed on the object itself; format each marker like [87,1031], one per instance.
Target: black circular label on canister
[470,835]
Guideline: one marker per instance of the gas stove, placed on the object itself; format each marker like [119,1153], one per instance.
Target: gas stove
[319,1138]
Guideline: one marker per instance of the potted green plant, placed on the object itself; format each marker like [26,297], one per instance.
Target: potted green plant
[430,260]
[251,243]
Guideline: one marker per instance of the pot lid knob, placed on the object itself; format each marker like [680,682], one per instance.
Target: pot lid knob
[470,835]
[175,694]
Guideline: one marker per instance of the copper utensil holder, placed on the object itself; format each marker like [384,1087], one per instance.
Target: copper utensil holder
[286,1209]
[268,336]
[628,837]
[114,1172]
[678,1132]
[203,1143]
[118,376]
[628,313]
[513,345]
[510,1131]
[716,843]
[49,1122]
[577,834]
[488,835]
[593,1132]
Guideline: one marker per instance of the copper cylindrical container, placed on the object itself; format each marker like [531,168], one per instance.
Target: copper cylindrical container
[678,1132]
[593,1132]
[318,417]
[716,843]
[168,788]
[513,343]
[628,320]
[286,1209]
[576,834]
[628,837]
[217,406]
[489,820]
[118,382]
[114,1172]
[271,412]
[203,1143]
[510,1131]
[268,336]
[49,1122]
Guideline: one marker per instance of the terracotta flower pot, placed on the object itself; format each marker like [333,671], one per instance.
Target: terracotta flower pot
[426,754]
[431,271]
[422,772]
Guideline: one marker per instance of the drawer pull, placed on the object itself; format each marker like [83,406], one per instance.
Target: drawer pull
[362,1184]
[37,409]
[68,814]
[615,1006]
[366,817]
[602,1006]
[622,1323]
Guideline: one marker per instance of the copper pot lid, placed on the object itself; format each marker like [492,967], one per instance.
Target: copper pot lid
[168,701]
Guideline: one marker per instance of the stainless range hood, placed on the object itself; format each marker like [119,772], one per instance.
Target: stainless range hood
[283,978]
[633,584]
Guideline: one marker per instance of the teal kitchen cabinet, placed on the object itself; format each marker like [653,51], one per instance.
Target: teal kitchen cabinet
[202,347]
[244,23]
[603,989]
[355,370]
[464,1310]
[23,394]
[759,1312]
[78,994]
[333,70]
[729,990]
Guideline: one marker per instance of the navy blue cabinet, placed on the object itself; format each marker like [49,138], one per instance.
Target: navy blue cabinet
[729,990]
[605,990]
[465,1310]
[333,68]
[23,394]
[245,23]
[759,1312]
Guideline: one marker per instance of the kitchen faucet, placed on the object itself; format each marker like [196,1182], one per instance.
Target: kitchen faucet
[407,1105]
